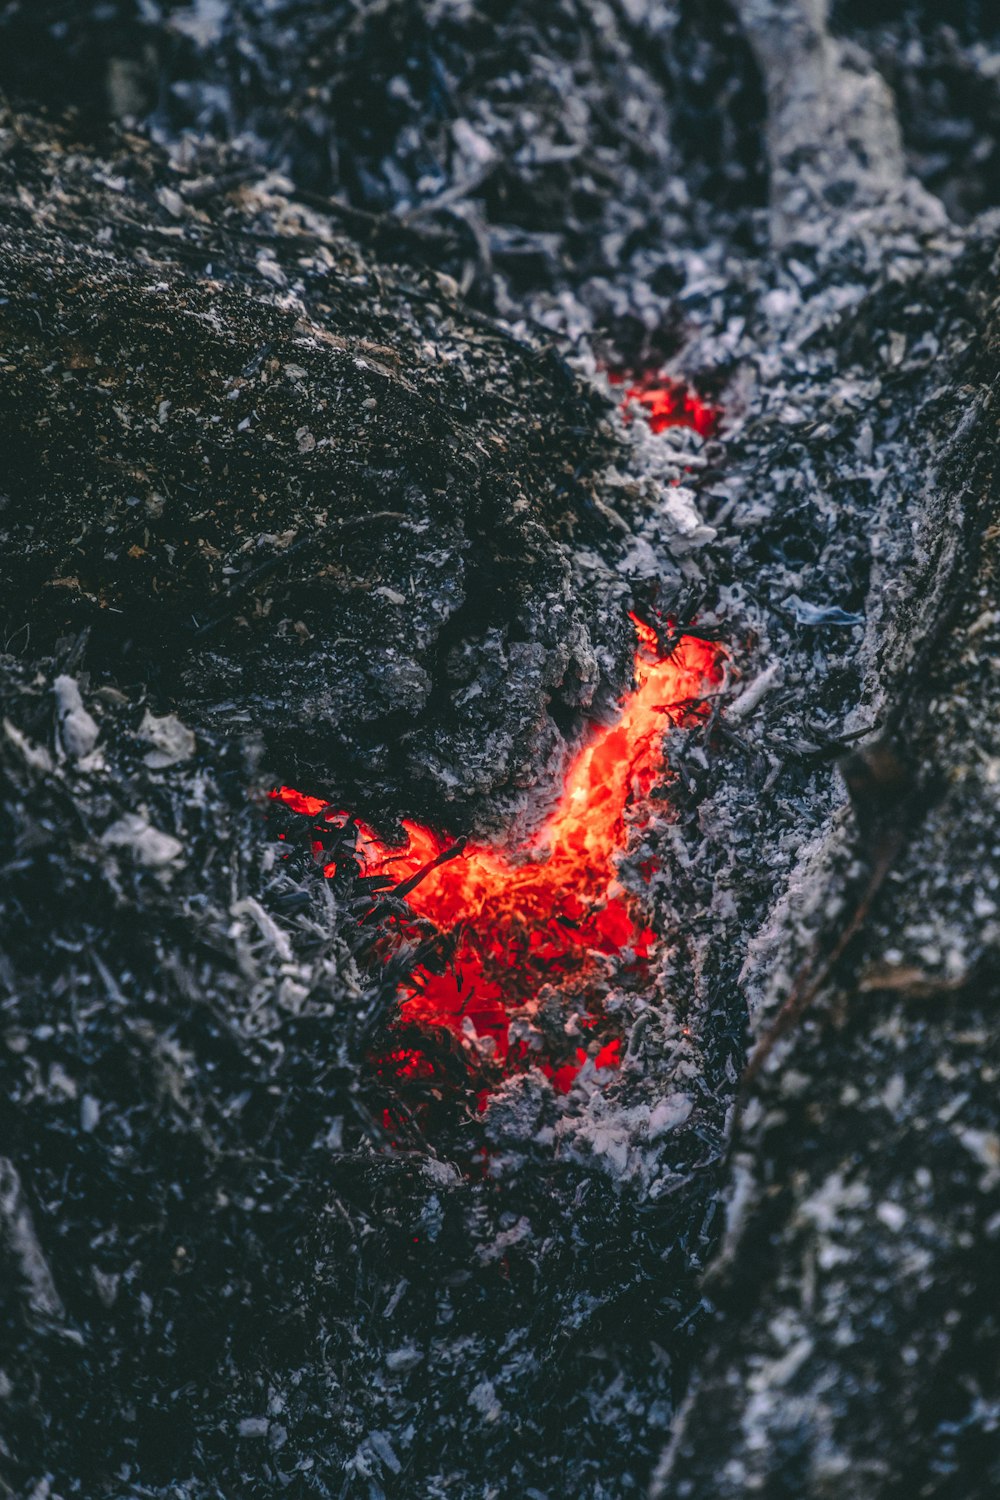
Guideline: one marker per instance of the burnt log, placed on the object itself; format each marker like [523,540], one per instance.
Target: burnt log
[239,450]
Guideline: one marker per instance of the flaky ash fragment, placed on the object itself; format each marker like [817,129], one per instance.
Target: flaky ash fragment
[170,740]
[142,842]
[78,733]
[24,1251]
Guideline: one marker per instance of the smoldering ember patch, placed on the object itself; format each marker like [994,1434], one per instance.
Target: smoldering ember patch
[499,749]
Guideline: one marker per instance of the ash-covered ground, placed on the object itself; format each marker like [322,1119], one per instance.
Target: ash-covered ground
[312,473]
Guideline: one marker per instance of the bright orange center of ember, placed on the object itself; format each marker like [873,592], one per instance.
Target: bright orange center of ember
[666,403]
[552,911]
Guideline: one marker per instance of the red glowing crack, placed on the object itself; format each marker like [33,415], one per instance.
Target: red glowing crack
[551,912]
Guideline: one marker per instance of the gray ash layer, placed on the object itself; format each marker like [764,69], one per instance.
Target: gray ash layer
[219,1280]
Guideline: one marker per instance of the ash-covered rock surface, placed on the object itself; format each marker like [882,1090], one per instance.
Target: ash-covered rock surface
[290,485]
[506,141]
[255,393]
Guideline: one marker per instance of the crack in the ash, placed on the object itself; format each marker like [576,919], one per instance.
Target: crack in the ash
[548,918]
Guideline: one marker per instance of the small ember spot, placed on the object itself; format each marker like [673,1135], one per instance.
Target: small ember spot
[665,403]
[550,915]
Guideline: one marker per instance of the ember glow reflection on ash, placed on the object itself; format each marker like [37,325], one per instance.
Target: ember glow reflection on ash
[550,913]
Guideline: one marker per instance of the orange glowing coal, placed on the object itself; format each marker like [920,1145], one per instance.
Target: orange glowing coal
[550,912]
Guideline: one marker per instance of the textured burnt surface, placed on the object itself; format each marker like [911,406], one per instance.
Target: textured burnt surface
[853,1341]
[312,474]
[504,139]
[291,485]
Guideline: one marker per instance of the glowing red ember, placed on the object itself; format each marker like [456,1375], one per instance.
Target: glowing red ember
[666,403]
[551,912]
